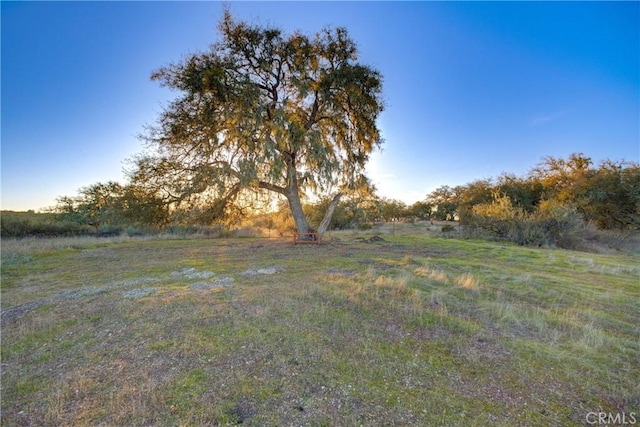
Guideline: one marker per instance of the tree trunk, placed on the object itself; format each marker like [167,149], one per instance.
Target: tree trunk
[302,225]
[293,196]
[329,214]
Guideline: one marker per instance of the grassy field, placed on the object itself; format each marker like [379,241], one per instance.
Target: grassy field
[403,330]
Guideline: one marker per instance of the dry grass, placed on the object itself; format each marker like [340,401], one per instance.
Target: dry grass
[410,330]
[435,275]
[29,246]
[467,281]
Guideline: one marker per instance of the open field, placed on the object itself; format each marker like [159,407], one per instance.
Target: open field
[403,330]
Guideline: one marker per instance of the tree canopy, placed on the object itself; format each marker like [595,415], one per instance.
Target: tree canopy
[111,204]
[262,110]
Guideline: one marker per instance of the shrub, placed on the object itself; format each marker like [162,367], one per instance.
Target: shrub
[135,232]
[246,232]
[562,225]
[551,224]
[109,231]
[614,241]
[16,226]
[447,228]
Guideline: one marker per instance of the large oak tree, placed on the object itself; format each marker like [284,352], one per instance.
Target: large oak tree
[262,110]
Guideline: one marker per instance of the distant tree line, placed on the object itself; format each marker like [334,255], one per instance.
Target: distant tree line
[555,202]
[607,195]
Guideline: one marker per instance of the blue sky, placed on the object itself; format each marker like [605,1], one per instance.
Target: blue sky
[472,89]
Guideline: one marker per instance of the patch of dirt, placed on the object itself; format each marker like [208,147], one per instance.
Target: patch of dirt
[132,282]
[12,313]
[220,283]
[139,293]
[251,272]
[373,239]
[205,287]
[191,273]
[79,293]
[243,410]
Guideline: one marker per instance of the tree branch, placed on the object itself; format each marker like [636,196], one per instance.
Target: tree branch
[272,187]
[313,114]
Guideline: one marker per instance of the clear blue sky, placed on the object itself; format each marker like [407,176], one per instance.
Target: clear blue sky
[472,89]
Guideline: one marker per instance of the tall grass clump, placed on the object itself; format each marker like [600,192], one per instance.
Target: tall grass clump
[19,248]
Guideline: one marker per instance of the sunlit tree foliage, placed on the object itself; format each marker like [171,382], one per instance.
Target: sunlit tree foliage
[262,110]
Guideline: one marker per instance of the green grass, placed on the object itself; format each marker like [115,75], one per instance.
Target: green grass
[413,330]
